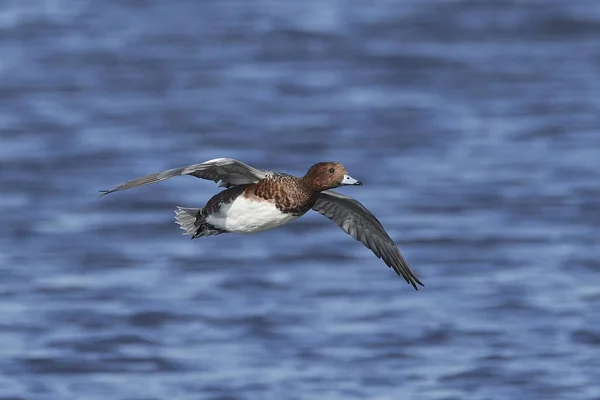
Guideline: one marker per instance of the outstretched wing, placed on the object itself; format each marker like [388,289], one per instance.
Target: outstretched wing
[357,221]
[229,171]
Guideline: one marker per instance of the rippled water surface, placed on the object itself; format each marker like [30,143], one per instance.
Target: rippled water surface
[474,125]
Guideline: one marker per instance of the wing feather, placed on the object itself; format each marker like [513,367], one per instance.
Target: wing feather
[357,221]
[228,171]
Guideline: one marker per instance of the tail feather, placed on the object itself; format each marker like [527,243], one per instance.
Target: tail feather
[186,219]
[193,222]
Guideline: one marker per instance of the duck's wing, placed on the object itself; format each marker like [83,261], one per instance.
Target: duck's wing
[228,171]
[357,221]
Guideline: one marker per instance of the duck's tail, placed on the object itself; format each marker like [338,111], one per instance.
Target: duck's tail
[193,222]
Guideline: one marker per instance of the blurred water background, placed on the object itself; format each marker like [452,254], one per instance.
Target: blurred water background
[474,125]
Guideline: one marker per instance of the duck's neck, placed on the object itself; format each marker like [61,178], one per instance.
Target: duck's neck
[312,185]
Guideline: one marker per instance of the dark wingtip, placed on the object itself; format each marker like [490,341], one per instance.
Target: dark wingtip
[414,282]
[104,192]
[409,277]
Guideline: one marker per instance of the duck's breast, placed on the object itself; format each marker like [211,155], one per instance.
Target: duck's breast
[247,215]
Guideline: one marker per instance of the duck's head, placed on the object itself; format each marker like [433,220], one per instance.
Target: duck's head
[328,175]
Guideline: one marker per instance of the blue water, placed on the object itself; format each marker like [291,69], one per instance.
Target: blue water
[475,127]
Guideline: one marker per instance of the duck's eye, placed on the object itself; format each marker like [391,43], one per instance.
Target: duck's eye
[331,170]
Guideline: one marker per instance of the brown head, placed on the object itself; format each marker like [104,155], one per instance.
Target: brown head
[328,175]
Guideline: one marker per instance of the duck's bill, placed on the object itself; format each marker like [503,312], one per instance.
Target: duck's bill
[348,180]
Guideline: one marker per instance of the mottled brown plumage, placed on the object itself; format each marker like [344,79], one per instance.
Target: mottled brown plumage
[287,192]
[291,194]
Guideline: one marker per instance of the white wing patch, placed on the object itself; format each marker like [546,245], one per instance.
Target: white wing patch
[245,215]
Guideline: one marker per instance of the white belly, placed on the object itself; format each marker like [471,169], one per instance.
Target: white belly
[246,216]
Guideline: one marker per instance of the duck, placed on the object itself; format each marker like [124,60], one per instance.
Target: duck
[255,200]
